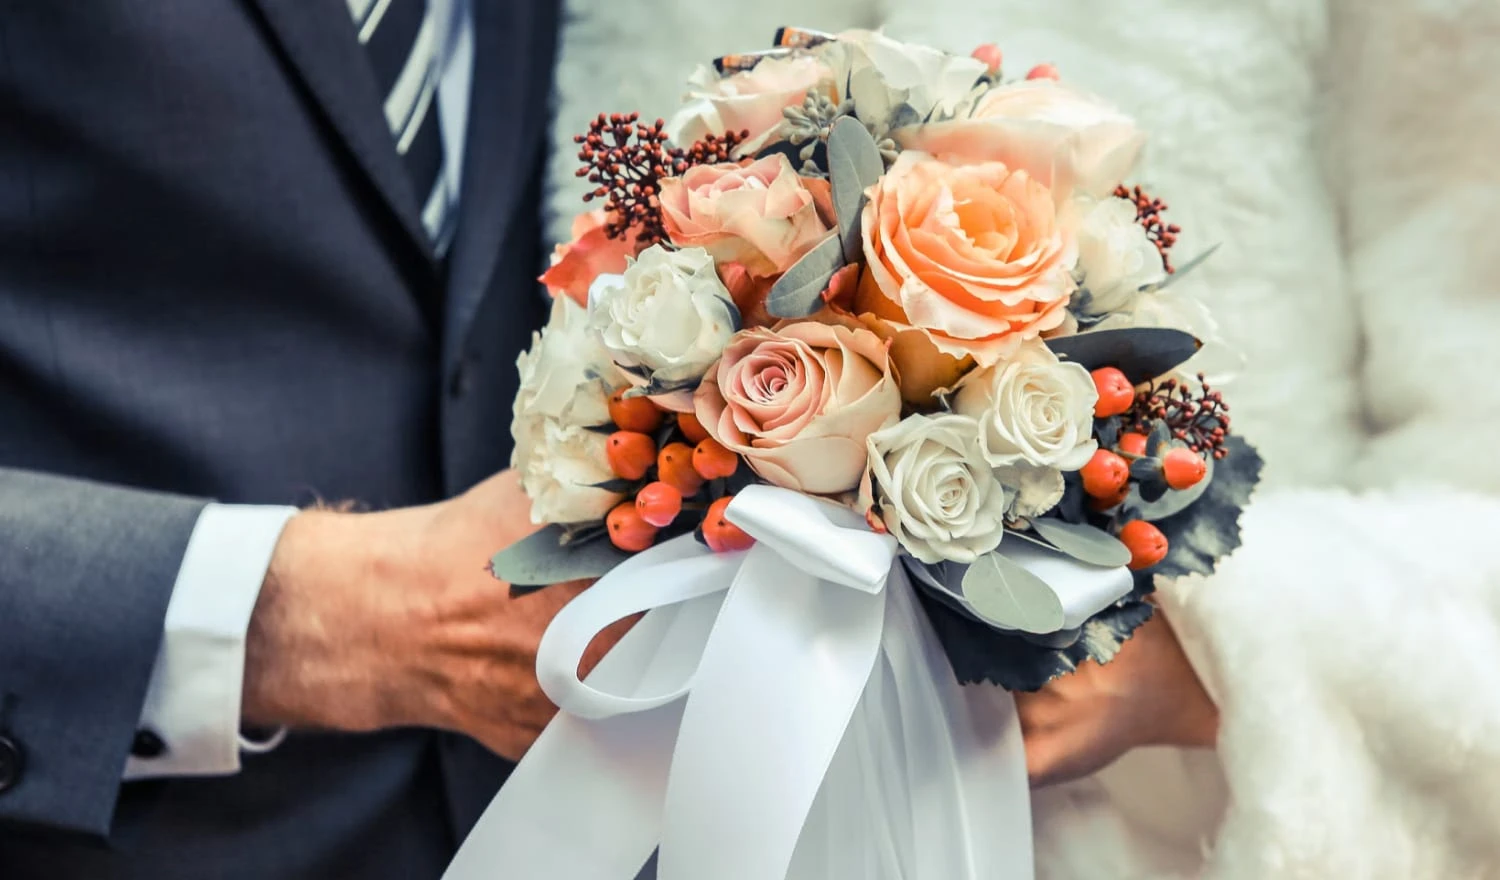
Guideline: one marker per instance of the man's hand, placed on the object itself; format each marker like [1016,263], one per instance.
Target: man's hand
[1148,695]
[391,619]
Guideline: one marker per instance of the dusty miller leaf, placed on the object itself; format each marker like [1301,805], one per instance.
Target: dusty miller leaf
[1209,529]
[542,559]
[854,165]
[799,292]
[1141,353]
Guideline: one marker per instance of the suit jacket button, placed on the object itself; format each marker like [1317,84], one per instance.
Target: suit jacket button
[12,763]
[147,745]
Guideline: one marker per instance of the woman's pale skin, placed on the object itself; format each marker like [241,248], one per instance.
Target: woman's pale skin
[379,620]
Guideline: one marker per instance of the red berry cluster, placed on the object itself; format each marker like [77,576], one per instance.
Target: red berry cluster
[682,467]
[1198,418]
[629,159]
[1148,213]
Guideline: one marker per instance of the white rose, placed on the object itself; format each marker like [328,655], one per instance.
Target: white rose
[934,489]
[884,74]
[1032,409]
[669,314]
[1032,490]
[561,473]
[566,380]
[749,101]
[1115,257]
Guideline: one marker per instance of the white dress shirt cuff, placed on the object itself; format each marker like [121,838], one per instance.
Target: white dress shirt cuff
[193,703]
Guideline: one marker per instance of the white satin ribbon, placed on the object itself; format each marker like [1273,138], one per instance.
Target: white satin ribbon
[780,714]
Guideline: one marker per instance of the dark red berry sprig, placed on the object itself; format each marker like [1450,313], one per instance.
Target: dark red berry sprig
[628,160]
[1148,213]
[1198,417]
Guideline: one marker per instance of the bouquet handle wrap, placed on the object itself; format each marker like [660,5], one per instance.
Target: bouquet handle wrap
[780,713]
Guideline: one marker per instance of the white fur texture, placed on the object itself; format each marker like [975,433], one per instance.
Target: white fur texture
[1347,155]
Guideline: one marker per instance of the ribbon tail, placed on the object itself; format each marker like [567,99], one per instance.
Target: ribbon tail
[779,680]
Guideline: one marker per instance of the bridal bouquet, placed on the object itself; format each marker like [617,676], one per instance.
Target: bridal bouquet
[866,380]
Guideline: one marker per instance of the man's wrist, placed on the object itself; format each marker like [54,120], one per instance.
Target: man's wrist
[317,653]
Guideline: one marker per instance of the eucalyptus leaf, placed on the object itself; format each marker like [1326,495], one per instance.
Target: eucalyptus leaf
[1002,591]
[1083,542]
[854,165]
[799,292]
[1173,502]
[1141,353]
[1185,268]
[541,560]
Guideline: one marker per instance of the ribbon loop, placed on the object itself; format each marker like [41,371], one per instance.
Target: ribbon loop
[821,538]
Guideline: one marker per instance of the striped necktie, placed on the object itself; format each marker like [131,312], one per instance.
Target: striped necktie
[401,39]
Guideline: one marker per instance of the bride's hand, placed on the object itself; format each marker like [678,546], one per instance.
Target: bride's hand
[1148,695]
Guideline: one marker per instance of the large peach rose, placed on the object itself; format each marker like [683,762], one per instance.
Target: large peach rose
[751,100]
[763,216]
[975,257]
[799,403]
[590,254]
[1064,138]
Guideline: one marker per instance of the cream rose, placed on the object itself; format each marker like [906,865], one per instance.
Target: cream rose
[894,83]
[975,256]
[1031,490]
[751,100]
[762,216]
[798,403]
[1032,409]
[1115,258]
[668,314]
[566,379]
[1067,139]
[934,490]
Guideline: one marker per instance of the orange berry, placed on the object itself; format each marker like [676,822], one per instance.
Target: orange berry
[658,504]
[691,428]
[674,466]
[1043,71]
[1133,443]
[989,53]
[1105,474]
[1116,394]
[1146,543]
[712,461]
[630,454]
[1183,468]
[634,413]
[627,530]
[1102,504]
[722,535]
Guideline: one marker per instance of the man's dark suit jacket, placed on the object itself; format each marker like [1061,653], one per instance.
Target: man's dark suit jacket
[214,285]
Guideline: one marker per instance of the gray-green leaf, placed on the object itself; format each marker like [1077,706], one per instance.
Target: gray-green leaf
[1141,353]
[854,165]
[541,560]
[799,292]
[1007,594]
[1082,542]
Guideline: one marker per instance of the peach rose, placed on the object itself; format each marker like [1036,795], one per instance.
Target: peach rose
[751,100]
[799,403]
[590,254]
[974,257]
[763,216]
[1066,139]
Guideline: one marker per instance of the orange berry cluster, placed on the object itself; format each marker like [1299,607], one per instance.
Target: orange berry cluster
[1107,476]
[682,467]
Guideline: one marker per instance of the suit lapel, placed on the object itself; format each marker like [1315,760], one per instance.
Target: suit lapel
[514,45]
[317,37]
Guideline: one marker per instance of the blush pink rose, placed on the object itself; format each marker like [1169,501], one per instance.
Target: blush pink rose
[975,257]
[799,402]
[750,101]
[763,216]
[1066,139]
[590,254]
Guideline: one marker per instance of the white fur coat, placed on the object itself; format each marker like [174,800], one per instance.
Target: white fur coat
[1347,155]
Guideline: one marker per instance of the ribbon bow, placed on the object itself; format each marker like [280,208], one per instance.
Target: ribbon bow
[779,713]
